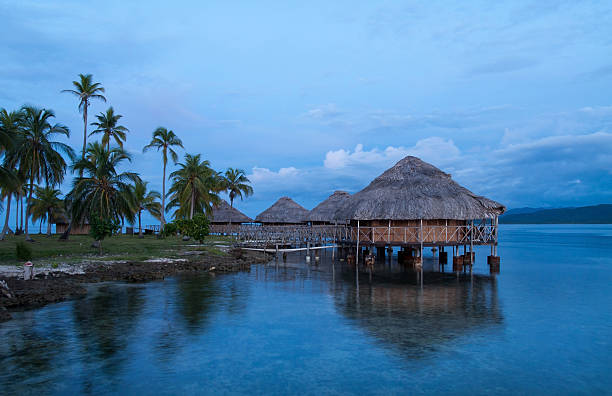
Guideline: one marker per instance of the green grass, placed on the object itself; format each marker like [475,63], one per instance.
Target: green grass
[120,247]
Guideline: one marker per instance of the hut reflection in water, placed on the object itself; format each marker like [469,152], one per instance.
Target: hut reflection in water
[392,307]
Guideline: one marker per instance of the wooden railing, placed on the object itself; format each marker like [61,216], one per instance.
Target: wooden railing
[478,233]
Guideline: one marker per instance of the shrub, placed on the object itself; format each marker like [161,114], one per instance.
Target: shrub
[100,228]
[170,229]
[23,251]
[196,228]
[199,227]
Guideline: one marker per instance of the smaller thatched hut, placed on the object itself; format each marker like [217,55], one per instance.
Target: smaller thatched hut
[285,211]
[324,212]
[226,218]
[61,225]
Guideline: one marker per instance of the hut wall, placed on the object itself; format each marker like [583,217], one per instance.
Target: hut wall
[60,228]
[408,231]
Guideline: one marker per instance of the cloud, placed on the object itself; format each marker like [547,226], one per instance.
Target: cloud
[324,112]
[265,175]
[430,149]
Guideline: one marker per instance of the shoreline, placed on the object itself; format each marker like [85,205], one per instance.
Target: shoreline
[55,286]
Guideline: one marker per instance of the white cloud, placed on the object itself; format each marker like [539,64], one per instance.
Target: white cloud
[433,149]
[324,112]
[265,175]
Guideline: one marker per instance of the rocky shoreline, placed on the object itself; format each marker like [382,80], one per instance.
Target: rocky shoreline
[55,286]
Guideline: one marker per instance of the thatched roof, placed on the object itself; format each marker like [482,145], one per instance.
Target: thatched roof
[285,210]
[224,213]
[413,190]
[325,210]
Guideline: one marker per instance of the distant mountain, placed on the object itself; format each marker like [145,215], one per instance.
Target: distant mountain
[598,214]
[522,211]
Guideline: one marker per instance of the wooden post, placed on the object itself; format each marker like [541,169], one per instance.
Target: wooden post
[421,252]
[28,271]
[357,252]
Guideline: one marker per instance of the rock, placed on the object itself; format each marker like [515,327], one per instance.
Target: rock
[4,314]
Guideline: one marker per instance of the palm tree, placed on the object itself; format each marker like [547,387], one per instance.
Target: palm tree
[107,125]
[194,187]
[145,200]
[10,132]
[236,184]
[102,190]
[164,140]
[10,128]
[40,158]
[86,90]
[45,205]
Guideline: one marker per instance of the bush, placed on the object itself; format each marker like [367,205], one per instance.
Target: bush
[199,227]
[100,228]
[196,228]
[170,229]
[23,251]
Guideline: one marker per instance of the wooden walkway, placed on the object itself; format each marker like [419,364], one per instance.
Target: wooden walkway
[258,236]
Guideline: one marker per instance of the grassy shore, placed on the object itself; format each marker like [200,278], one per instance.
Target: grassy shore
[120,247]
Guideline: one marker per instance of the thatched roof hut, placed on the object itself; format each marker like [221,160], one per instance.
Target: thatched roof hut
[415,190]
[223,213]
[283,211]
[325,211]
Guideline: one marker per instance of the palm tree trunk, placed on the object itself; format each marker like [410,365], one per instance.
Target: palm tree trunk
[192,204]
[85,105]
[163,207]
[6,219]
[49,223]
[29,200]
[16,213]
[40,227]
[21,217]
[139,226]
[17,199]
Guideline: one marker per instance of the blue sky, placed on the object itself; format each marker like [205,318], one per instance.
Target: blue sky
[513,99]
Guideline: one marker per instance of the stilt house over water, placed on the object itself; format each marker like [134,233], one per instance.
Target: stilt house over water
[324,212]
[285,211]
[226,218]
[414,204]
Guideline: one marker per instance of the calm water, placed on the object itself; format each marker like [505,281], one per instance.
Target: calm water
[543,326]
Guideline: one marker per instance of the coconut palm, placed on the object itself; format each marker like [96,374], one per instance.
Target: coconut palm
[236,184]
[165,141]
[40,158]
[194,187]
[102,190]
[46,204]
[10,128]
[10,133]
[86,90]
[145,200]
[107,126]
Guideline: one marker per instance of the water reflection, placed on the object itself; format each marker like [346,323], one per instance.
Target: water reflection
[412,313]
[414,320]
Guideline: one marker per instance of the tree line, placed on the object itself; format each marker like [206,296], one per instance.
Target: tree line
[34,163]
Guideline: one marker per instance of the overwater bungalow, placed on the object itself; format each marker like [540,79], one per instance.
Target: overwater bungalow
[283,212]
[323,213]
[226,219]
[414,204]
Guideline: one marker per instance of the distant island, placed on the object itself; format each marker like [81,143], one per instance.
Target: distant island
[597,214]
